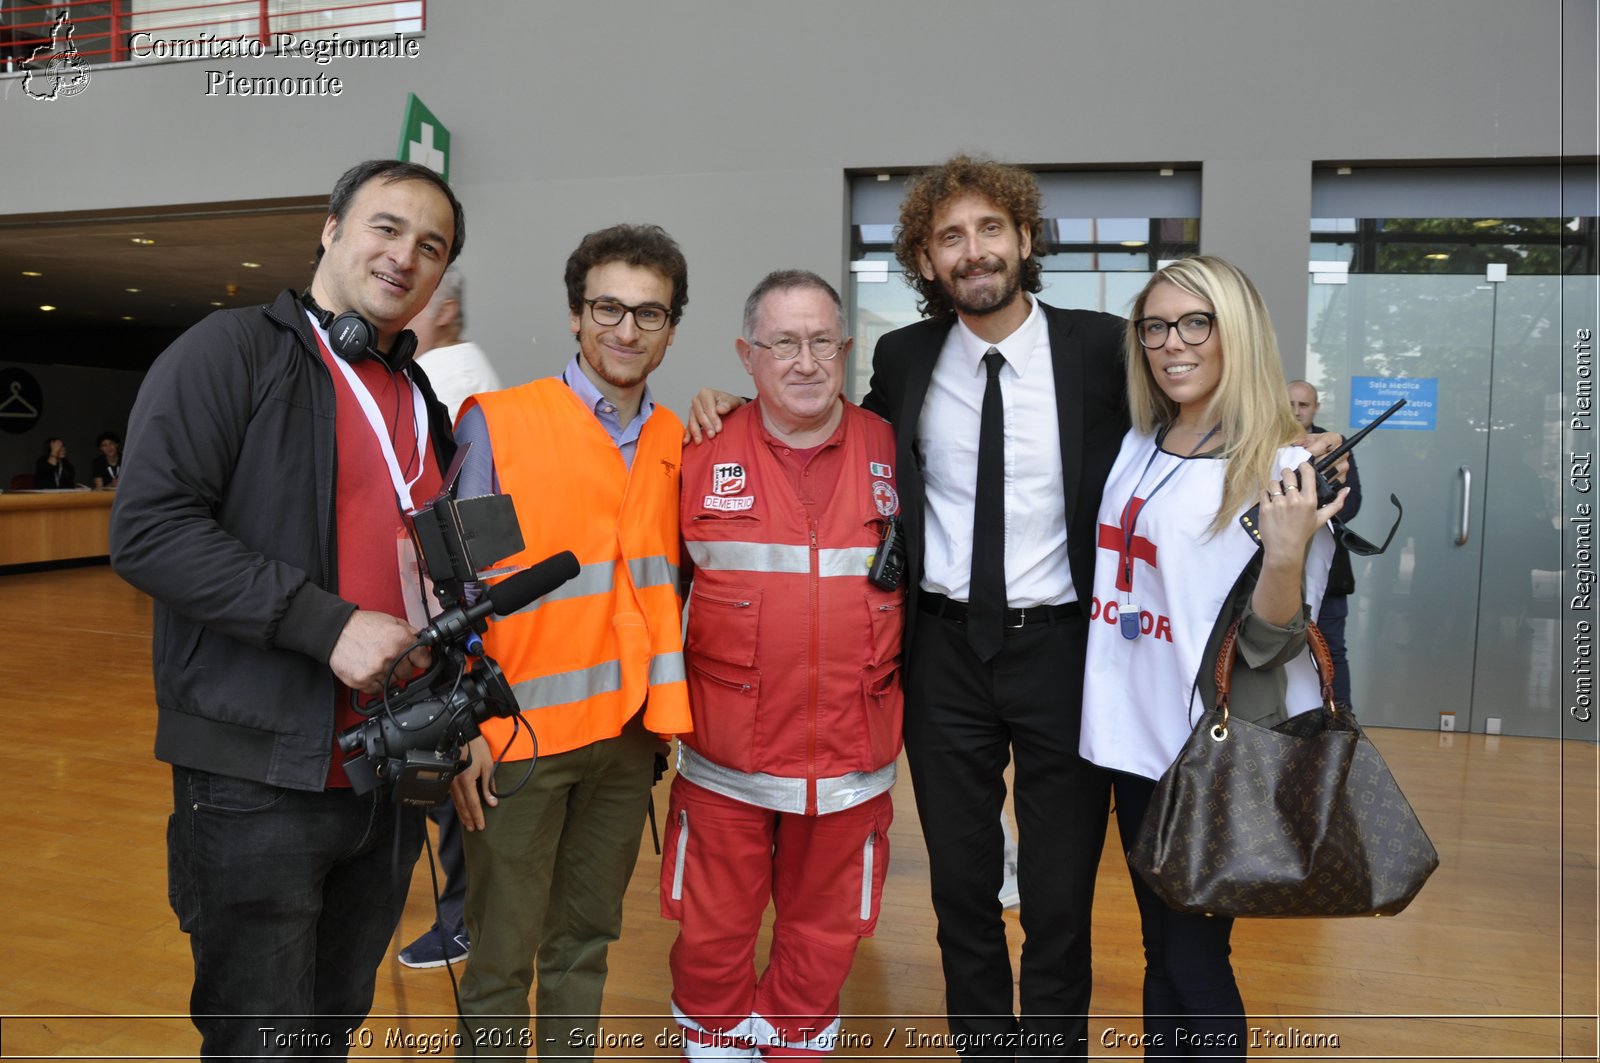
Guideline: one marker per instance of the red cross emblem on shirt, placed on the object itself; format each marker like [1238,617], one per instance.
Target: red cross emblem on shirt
[1128,547]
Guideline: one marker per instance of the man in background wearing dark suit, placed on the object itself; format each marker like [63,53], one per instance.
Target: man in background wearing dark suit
[1001,562]
[1305,403]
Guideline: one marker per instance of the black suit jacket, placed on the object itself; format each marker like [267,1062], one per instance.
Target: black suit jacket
[1091,413]
[1341,577]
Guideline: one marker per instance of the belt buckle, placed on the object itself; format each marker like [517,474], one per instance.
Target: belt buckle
[1022,618]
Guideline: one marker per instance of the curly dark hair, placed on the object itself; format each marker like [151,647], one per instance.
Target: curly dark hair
[1011,188]
[635,245]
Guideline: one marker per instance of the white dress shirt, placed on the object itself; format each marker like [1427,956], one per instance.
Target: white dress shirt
[1037,571]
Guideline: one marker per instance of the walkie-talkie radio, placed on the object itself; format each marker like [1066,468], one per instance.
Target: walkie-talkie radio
[1327,492]
[889,563]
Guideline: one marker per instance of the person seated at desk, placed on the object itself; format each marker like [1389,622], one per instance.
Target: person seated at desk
[107,465]
[53,470]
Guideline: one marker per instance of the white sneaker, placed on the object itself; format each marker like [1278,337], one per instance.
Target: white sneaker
[1010,897]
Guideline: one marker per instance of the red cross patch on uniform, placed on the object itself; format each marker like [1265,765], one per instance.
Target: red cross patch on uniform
[884,497]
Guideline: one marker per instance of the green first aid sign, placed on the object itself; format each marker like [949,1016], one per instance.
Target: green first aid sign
[424,139]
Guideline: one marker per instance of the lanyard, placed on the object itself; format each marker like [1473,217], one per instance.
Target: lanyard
[380,432]
[1130,512]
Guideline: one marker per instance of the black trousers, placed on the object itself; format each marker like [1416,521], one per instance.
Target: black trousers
[964,721]
[1192,1007]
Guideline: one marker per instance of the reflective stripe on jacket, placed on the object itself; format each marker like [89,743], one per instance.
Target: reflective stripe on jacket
[582,659]
[794,657]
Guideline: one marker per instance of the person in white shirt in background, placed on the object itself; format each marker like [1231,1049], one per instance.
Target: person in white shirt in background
[456,367]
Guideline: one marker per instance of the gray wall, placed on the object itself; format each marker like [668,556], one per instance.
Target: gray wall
[732,123]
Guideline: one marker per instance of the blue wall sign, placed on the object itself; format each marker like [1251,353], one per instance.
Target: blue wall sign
[1371,395]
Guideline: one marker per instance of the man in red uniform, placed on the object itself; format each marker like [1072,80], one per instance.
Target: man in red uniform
[783,788]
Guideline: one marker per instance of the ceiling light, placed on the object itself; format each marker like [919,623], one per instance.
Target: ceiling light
[141,240]
[31,273]
[215,303]
[251,265]
[127,317]
[135,291]
[47,308]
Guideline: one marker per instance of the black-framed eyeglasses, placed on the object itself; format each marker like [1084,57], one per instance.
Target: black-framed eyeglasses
[1193,328]
[650,318]
[787,348]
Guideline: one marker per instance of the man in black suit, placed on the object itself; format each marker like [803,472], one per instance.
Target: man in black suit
[1305,403]
[994,656]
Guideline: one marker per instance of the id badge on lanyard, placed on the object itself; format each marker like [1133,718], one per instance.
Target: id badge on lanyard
[1128,615]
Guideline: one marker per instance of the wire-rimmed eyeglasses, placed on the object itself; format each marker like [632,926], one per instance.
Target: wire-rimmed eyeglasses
[787,348]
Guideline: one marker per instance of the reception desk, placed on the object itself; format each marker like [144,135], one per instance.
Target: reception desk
[44,526]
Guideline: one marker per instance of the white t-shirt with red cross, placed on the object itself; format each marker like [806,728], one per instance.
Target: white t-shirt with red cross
[1156,560]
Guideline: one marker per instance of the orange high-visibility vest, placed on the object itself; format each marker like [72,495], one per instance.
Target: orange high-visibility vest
[585,657]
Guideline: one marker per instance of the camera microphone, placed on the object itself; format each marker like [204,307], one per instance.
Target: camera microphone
[503,598]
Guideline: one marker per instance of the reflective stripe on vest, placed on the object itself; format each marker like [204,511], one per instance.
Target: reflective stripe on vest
[564,688]
[786,560]
[600,578]
[654,571]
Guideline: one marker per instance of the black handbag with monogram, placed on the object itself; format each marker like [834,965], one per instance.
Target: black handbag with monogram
[1301,819]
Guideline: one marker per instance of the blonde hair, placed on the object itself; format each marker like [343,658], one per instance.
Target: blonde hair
[1249,401]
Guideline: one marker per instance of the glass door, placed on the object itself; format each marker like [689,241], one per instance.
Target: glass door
[1461,615]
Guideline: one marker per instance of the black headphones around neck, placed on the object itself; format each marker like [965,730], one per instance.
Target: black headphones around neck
[353,338]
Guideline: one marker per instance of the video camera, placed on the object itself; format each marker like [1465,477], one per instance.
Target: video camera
[415,734]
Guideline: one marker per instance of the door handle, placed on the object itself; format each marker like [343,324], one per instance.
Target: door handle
[1466,506]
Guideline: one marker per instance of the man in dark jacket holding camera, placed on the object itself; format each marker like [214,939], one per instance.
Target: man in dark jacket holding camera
[263,513]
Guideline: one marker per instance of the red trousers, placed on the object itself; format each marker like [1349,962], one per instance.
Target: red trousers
[721,862]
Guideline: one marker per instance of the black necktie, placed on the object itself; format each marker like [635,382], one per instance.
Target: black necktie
[986,601]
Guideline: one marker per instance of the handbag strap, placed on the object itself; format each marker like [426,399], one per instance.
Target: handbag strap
[1226,653]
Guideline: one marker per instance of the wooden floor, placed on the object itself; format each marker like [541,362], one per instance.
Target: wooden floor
[1495,960]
